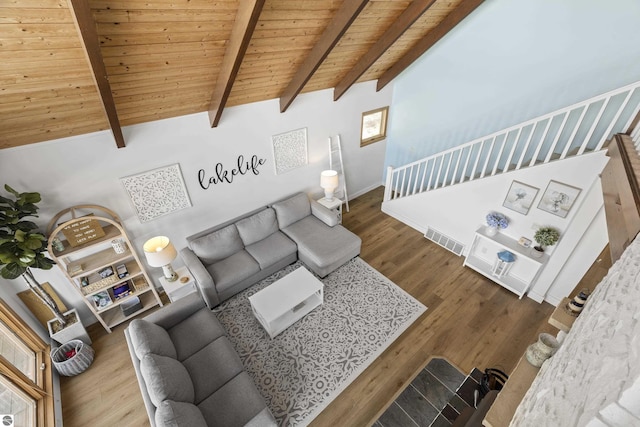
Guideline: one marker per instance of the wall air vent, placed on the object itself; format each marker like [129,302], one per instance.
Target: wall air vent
[444,241]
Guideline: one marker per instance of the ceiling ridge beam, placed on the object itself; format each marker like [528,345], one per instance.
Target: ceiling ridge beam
[245,23]
[410,15]
[431,38]
[340,23]
[86,27]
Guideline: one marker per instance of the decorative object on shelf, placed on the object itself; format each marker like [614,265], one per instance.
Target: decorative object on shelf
[159,252]
[520,197]
[57,245]
[541,350]
[102,299]
[524,242]
[289,150]
[83,231]
[503,263]
[558,198]
[544,236]
[495,221]
[329,182]
[25,248]
[118,246]
[157,192]
[575,306]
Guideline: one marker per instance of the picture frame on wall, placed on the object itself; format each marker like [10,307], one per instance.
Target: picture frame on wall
[520,197]
[559,198]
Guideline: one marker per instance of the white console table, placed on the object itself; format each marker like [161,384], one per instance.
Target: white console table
[525,269]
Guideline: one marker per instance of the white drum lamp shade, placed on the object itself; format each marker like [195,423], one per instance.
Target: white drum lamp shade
[329,182]
[159,252]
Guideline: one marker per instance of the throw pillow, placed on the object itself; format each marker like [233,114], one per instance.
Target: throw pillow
[147,337]
[292,210]
[257,227]
[217,245]
[166,379]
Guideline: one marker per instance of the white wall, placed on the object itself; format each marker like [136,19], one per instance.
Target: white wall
[507,62]
[459,210]
[87,169]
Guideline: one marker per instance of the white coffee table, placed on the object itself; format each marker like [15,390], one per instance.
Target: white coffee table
[287,300]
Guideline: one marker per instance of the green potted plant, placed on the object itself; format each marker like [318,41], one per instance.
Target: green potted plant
[23,248]
[544,236]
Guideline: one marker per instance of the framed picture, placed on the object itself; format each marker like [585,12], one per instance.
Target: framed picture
[289,150]
[558,198]
[374,126]
[520,197]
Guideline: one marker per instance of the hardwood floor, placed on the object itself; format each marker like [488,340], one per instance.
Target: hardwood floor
[470,321]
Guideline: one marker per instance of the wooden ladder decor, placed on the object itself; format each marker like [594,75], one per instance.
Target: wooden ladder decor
[336,164]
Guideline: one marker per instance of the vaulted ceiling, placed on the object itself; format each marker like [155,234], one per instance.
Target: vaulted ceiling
[69,67]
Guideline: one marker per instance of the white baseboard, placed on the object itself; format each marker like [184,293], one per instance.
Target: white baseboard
[401,218]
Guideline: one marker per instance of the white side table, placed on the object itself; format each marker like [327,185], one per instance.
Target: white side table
[183,286]
[334,205]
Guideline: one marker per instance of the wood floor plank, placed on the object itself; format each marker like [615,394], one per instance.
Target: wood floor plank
[470,321]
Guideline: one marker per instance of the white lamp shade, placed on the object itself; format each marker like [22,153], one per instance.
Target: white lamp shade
[329,180]
[159,251]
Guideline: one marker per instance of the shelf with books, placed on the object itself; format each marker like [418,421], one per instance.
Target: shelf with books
[97,257]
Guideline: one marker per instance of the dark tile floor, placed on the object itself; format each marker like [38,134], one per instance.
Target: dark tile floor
[433,399]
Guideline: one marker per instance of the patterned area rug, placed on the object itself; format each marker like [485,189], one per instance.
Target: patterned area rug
[303,369]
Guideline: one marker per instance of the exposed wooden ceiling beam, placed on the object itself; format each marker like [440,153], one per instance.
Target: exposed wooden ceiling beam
[340,23]
[86,26]
[241,32]
[399,26]
[432,37]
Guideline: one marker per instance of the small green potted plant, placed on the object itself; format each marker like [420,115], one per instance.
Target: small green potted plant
[544,236]
[23,248]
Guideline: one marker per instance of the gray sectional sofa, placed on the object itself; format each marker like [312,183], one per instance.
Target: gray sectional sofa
[189,372]
[230,257]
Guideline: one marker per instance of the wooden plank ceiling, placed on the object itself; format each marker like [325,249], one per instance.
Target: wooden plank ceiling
[166,58]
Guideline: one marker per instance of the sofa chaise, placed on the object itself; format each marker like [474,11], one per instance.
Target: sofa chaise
[230,257]
[188,371]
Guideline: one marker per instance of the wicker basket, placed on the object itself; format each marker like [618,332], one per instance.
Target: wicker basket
[76,364]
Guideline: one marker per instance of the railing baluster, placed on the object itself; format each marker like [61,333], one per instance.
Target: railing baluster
[557,138]
[575,131]
[486,161]
[512,152]
[435,185]
[433,168]
[455,170]
[404,177]
[475,165]
[605,135]
[409,181]
[534,159]
[500,151]
[466,164]
[526,146]
[424,175]
[446,174]
[593,127]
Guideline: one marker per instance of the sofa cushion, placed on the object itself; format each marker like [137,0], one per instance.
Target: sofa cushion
[292,209]
[179,414]
[217,245]
[147,337]
[212,367]
[274,248]
[221,408]
[257,226]
[233,269]
[195,332]
[322,244]
[166,379]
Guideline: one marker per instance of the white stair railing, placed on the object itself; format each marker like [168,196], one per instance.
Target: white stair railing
[572,131]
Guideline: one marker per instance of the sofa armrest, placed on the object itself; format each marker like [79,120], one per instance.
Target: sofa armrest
[324,214]
[174,313]
[148,405]
[202,276]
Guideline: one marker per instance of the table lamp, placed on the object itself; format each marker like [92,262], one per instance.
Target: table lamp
[159,252]
[329,182]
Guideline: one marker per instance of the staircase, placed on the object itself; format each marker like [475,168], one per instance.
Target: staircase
[572,131]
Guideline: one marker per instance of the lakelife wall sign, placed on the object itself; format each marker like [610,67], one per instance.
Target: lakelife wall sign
[222,174]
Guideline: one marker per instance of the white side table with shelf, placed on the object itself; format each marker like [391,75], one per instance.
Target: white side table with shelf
[525,269]
[181,287]
[334,205]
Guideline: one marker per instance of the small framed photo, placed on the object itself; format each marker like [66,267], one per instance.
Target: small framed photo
[520,197]
[558,198]
[374,126]
[102,299]
[106,272]
[523,241]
